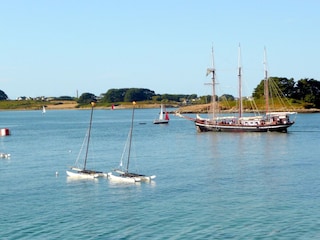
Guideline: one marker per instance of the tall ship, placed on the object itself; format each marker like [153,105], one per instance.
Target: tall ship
[270,121]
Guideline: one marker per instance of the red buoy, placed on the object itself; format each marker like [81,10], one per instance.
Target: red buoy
[4,132]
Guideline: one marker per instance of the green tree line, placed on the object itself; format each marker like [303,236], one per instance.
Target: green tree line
[305,90]
[141,94]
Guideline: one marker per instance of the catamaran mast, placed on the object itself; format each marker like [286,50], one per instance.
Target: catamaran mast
[240,83]
[130,136]
[89,132]
[266,81]
[213,98]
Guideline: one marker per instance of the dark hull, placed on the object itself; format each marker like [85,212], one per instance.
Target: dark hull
[161,122]
[204,127]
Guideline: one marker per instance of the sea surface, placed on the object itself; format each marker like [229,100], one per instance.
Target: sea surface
[208,185]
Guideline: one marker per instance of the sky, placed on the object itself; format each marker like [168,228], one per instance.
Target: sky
[58,48]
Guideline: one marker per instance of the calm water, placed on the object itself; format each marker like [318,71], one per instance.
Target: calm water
[208,185]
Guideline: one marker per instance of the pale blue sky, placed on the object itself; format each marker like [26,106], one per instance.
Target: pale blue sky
[56,47]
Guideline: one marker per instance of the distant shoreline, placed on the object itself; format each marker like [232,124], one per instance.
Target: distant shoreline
[192,109]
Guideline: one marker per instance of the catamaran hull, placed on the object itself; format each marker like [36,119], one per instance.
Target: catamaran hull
[127,176]
[85,175]
[242,128]
[81,175]
[122,179]
[148,178]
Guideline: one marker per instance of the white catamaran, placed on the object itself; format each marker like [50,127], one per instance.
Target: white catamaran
[269,122]
[83,172]
[163,116]
[121,174]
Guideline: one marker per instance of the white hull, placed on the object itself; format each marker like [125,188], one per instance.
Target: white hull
[123,179]
[147,178]
[141,177]
[80,175]
[85,175]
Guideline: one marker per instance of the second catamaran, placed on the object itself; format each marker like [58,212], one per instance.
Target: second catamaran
[122,174]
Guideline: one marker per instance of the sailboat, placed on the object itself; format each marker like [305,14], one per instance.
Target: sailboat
[121,174]
[269,122]
[83,172]
[163,116]
[43,109]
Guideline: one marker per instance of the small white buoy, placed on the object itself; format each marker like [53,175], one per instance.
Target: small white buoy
[57,173]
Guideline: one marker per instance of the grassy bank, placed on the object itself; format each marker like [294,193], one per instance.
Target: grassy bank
[36,105]
[194,108]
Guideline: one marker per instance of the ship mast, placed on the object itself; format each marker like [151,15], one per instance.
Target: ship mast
[213,98]
[88,138]
[240,83]
[130,136]
[266,81]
